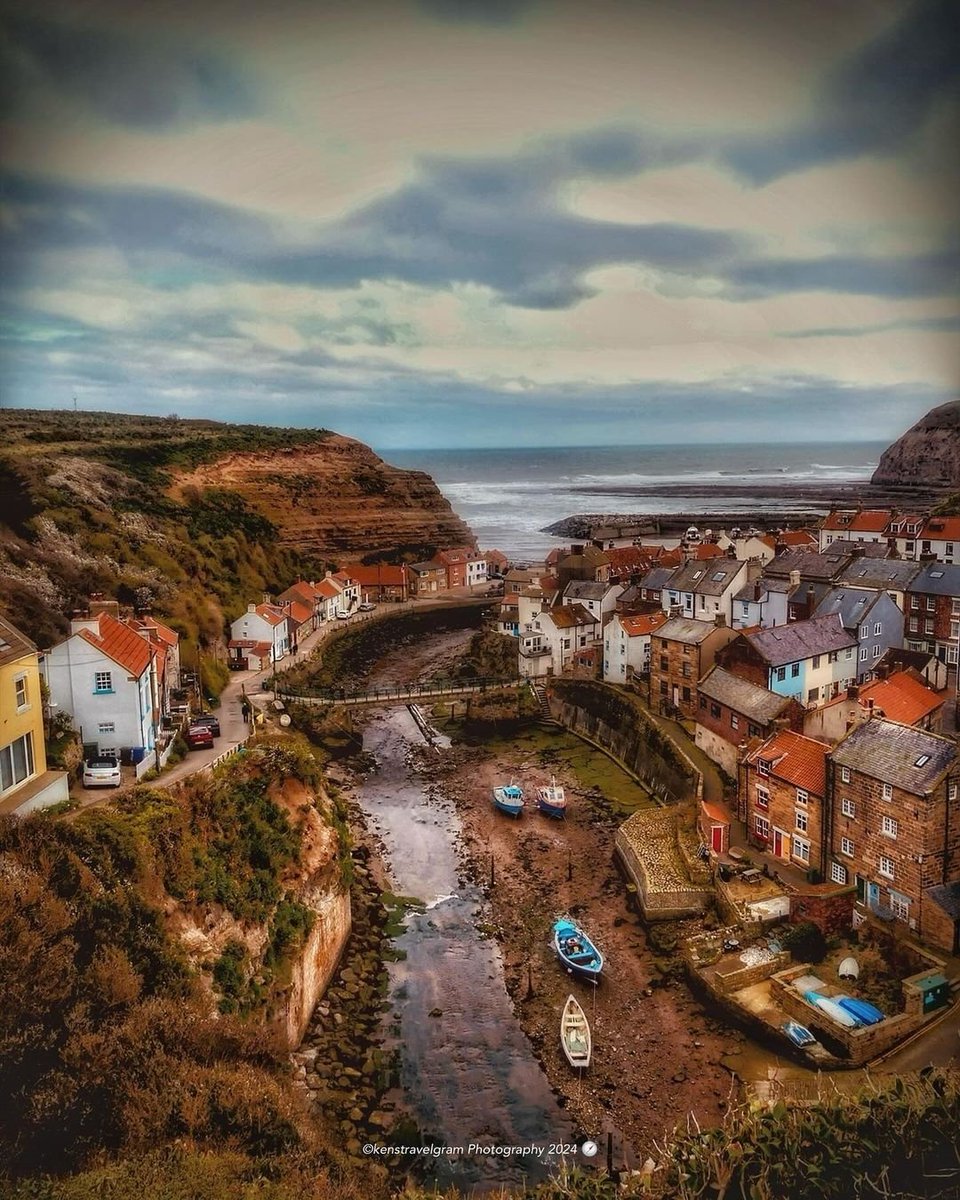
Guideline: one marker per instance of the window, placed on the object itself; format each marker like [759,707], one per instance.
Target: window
[952,791]
[914,625]
[886,867]
[715,711]
[833,656]
[761,826]
[763,767]
[106,727]
[838,873]
[801,850]
[734,721]
[886,791]
[876,650]
[888,827]
[800,820]
[878,629]
[794,670]
[845,774]
[863,654]
[664,663]
[754,730]
[914,602]
[685,692]
[955,629]
[763,797]
[746,608]
[846,847]
[813,694]
[847,808]
[931,604]
[103,681]
[20,693]
[663,687]
[703,702]
[928,627]
[864,632]
[922,760]
[781,674]
[900,906]
[955,606]
[16,762]
[816,662]
[802,796]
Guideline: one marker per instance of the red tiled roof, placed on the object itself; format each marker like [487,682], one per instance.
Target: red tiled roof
[382,574]
[941,529]
[625,557]
[867,520]
[796,538]
[715,812]
[902,697]
[644,624]
[704,551]
[344,578]
[298,611]
[797,759]
[549,584]
[670,558]
[121,643]
[328,589]
[271,614]
[305,592]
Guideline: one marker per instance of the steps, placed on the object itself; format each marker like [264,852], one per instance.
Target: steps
[541,699]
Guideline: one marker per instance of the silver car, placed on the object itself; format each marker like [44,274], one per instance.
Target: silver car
[101,772]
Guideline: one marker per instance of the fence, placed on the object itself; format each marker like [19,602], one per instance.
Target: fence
[395,695]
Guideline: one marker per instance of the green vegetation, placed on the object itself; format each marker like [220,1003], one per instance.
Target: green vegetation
[490,655]
[806,942]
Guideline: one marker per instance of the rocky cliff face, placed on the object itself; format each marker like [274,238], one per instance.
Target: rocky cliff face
[336,498]
[927,455]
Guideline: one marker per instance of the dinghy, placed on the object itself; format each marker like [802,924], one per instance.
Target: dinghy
[509,799]
[575,1034]
[551,801]
[799,1034]
[866,1013]
[575,950]
[834,1011]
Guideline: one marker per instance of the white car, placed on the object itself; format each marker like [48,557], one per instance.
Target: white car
[101,772]
[367,606]
[343,616]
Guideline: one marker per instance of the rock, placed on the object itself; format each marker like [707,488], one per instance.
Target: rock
[436,1012]
[928,454]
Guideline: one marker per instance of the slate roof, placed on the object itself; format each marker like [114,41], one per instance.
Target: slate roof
[686,629]
[884,573]
[742,696]
[797,759]
[850,604]
[938,579]
[946,896]
[748,591]
[585,589]
[810,564]
[657,578]
[707,578]
[891,753]
[13,643]
[859,549]
[802,639]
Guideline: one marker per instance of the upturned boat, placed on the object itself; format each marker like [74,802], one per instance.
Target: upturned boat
[509,799]
[576,952]
[575,1034]
[799,1034]
[836,1012]
[551,801]
[865,1012]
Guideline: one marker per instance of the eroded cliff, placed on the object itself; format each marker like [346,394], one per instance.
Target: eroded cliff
[927,455]
[335,498]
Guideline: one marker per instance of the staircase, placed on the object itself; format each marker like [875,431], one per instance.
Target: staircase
[541,699]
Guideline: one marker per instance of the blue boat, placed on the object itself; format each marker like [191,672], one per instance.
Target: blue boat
[867,1013]
[799,1034]
[509,799]
[576,952]
[551,800]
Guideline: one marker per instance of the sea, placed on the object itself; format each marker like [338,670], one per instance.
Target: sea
[507,496]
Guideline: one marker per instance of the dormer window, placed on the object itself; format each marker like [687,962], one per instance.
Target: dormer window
[763,766]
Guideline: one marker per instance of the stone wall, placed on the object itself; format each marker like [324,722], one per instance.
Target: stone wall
[733,981]
[833,912]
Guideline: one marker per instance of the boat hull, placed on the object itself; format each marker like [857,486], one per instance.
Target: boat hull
[508,800]
[836,1012]
[576,952]
[575,1039]
[799,1034]
[864,1012]
[552,802]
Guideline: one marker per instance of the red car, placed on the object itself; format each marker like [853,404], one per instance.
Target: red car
[199,737]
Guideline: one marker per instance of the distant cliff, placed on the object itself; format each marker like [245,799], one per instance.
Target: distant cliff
[927,455]
[335,498]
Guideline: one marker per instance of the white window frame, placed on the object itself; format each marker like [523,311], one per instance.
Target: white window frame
[803,796]
[863,654]
[761,826]
[21,692]
[800,821]
[838,873]
[878,629]
[847,847]
[864,632]
[900,906]
[848,808]
[886,791]
[763,767]
[844,774]
[12,775]
[763,798]
[107,727]
[887,867]
[889,827]
[801,850]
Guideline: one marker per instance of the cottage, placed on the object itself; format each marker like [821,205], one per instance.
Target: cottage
[104,676]
[599,599]
[653,582]
[861,524]
[933,611]
[552,640]
[903,696]
[261,637]
[940,536]
[705,590]
[903,533]
[781,797]
[427,578]
[895,825]
[872,618]
[379,582]
[813,661]
[732,711]
[583,562]
[25,782]
[626,645]
[682,650]
[890,575]
[465,566]
[764,602]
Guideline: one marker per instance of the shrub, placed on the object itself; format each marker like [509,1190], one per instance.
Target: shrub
[806,942]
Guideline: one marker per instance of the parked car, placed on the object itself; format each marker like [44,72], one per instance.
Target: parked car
[343,616]
[199,737]
[367,606]
[208,719]
[103,771]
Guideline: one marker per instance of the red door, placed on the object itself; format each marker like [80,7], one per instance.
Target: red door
[716,838]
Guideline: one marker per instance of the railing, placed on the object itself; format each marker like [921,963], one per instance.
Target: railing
[396,695]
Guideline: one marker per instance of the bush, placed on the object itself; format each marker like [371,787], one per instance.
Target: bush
[806,942]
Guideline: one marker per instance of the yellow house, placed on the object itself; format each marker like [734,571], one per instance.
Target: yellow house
[25,782]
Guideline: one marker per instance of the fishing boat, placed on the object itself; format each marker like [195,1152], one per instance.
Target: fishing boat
[575,950]
[575,1034]
[865,1012]
[799,1034]
[509,799]
[551,800]
[836,1012]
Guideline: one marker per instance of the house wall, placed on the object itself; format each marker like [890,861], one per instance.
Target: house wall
[623,655]
[71,668]
[931,625]
[675,668]
[18,721]
[937,928]
[716,747]
[831,911]
[783,812]
[870,648]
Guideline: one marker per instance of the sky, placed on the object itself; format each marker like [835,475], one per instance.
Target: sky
[455,223]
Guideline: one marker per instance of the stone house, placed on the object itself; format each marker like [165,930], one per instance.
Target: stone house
[427,578]
[813,661]
[895,821]
[890,575]
[583,562]
[782,798]
[682,650]
[465,566]
[732,711]
[901,696]
[933,611]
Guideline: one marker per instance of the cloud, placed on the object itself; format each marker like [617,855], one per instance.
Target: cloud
[923,324]
[147,83]
[482,12]
[897,276]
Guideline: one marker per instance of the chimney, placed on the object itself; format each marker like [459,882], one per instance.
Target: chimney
[853,691]
[757,589]
[780,549]
[811,600]
[794,579]
[578,549]
[881,672]
[676,611]
[892,551]
[251,607]
[720,621]
[858,550]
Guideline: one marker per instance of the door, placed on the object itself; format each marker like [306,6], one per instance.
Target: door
[779,838]
[716,838]
[873,895]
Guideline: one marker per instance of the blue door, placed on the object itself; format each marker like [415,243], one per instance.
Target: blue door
[873,895]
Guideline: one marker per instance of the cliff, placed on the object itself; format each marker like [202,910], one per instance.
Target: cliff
[927,455]
[335,498]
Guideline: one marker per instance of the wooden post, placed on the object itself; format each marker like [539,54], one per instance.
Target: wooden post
[569,866]
[491,871]
[610,1153]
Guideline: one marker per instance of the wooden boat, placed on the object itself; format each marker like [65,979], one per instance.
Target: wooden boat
[551,801]
[865,1012]
[799,1034]
[575,1034]
[509,799]
[836,1012]
[576,952]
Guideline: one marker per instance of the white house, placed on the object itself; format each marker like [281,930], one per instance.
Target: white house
[349,590]
[626,645]
[104,676]
[261,636]
[550,642]
[704,590]
[598,599]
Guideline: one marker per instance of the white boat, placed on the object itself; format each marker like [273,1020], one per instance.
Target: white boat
[575,1034]
[551,801]
[834,1011]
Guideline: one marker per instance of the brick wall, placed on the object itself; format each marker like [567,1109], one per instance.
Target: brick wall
[937,928]
[674,671]
[832,912]
[782,813]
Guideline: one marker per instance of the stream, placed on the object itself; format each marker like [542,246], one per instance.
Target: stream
[467,1071]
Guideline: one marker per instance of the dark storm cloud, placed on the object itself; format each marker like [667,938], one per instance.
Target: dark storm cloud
[920,324]
[873,102]
[905,276]
[139,82]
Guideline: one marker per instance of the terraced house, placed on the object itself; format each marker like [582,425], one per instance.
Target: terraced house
[681,653]
[782,798]
[933,611]
[731,711]
[895,825]
[813,661]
